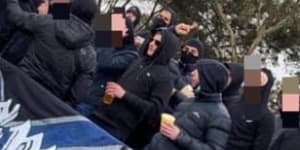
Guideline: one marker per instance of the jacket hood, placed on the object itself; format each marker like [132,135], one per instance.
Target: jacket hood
[74,33]
[136,11]
[237,78]
[167,50]
[266,90]
[213,76]
[128,41]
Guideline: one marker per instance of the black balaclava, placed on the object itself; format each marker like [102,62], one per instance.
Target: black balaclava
[157,22]
[188,58]
[137,13]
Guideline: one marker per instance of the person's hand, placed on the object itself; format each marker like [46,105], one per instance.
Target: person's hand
[188,91]
[115,90]
[170,131]
[138,41]
[183,29]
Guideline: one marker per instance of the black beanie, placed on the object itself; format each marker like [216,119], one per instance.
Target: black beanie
[197,44]
[136,11]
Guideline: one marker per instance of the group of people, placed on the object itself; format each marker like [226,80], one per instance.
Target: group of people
[125,89]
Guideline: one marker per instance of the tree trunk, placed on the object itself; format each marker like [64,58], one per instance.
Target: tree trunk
[219,12]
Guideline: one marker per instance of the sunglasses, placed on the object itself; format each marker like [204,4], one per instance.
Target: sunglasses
[157,43]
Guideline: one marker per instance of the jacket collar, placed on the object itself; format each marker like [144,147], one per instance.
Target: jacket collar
[209,97]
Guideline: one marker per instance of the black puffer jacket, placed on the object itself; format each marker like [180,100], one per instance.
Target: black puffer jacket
[288,139]
[204,123]
[61,57]
[252,124]
[148,87]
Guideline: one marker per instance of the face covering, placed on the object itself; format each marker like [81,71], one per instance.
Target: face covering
[188,58]
[157,23]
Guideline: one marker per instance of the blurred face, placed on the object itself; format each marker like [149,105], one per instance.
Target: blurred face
[119,23]
[43,8]
[166,16]
[190,49]
[155,42]
[131,16]
[195,78]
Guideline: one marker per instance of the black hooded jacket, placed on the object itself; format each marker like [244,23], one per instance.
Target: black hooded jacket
[232,93]
[288,139]
[252,124]
[205,123]
[111,64]
[60,57]
[14,42]
[147,33]
[148,87]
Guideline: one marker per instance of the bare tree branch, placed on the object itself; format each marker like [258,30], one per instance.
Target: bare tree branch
[99,4]
[149,18]
[126,3]
[278,25]
[220,13]
[258,15]
[264,32]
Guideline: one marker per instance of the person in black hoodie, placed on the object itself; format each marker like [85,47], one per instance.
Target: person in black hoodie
[134,14]
[61,57]
[192,50]
[111,64]
[253,124]
[14,42]
[288,139]
[141,94]
[202,124]
[232,93]
[165,18]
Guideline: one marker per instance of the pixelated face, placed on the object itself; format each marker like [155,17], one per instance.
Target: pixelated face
[192,50]
[195,78]
[131,16]
[166,16]
[119,23]
[155,42]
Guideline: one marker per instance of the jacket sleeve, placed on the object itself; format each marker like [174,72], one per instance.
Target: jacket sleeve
[264,133]
[277,143]
[118,60]
[26,20]
[216,137]
[86,69]
[160,95]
